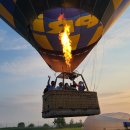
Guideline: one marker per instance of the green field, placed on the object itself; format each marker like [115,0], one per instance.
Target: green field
[41,128]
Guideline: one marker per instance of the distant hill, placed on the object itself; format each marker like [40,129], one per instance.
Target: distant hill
[118,115]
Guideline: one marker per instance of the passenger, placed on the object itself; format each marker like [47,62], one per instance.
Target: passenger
[66,87]
[73,87]
[60,87]
[46,89]
[81,86]
[52,85]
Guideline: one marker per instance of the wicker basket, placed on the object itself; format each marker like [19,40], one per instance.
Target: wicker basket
[59,103]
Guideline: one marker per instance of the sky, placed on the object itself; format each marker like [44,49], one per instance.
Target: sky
[23,74]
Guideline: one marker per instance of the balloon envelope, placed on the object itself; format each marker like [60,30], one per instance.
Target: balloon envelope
[40,22]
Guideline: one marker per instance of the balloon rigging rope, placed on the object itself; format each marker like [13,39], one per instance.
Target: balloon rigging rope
[33,8]
[95,4]
[105,10]
[55,74]
[95,74]
[101,68]
[94,68]
[22,14]
[94,62]
[87,61]
[48,4]
[98,69]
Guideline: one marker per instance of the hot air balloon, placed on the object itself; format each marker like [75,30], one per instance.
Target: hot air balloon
[41,21]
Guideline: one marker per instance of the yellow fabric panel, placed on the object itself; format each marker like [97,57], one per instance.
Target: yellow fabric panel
[88,21]
[116,3]
[58,26]
[96,36]
[40,16]
[43,41]
[4,13]
[38,25]
[75,40]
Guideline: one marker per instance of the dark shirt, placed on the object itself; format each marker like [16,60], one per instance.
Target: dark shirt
[51,87]
[81,88]
[45,90]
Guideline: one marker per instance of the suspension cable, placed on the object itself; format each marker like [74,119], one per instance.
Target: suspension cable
[100,72]
[94,68]
[86,64]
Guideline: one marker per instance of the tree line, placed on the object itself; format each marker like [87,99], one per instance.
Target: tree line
[58,123]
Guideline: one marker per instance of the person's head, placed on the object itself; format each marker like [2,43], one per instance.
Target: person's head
[66,85]
[60,84]
[81,83]
[53,83]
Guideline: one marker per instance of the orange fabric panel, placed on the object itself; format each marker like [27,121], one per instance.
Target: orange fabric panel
[4,13]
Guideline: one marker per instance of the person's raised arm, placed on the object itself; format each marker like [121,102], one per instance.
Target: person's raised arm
[74,83]
[49,77]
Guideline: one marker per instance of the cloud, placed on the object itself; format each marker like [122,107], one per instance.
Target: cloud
[112,101]
[104,95]
[2,35]
[117,36]
[16,42]
[21,99]
[32,65]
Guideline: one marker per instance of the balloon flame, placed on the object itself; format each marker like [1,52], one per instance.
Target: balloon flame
[66,44]
[61,17]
